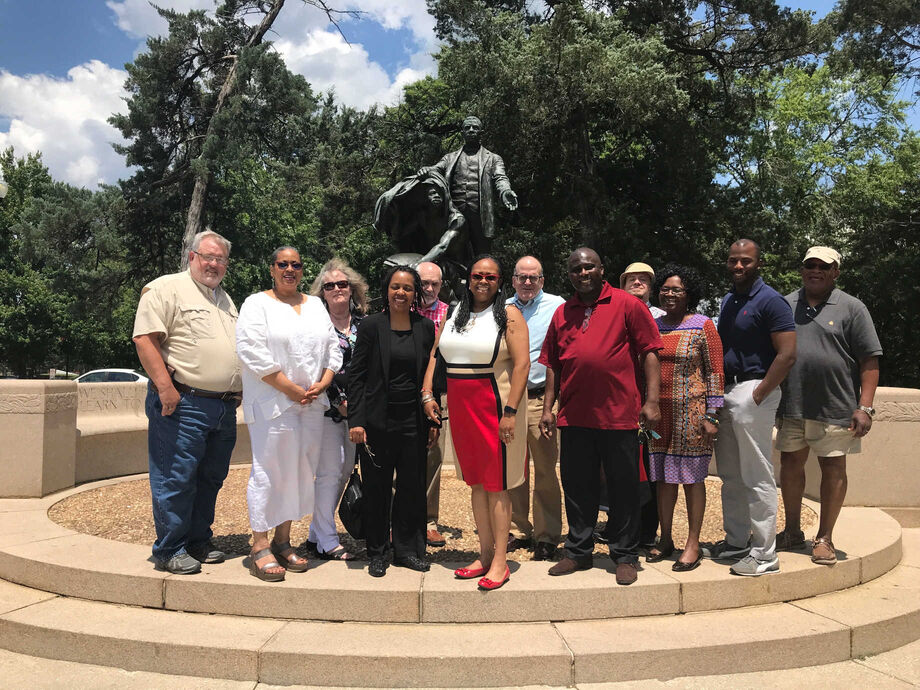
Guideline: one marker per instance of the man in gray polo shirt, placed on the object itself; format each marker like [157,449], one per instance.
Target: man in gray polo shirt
[827,397]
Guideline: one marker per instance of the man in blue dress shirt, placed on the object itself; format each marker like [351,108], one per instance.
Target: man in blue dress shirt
[538,308]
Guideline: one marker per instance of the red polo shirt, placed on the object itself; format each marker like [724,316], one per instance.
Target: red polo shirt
[597,364]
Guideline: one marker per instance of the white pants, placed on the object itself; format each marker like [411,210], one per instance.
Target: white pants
[285,452]
[743,450]
[336,460]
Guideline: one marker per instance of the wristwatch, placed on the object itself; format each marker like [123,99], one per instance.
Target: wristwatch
[868,410]
[510,410]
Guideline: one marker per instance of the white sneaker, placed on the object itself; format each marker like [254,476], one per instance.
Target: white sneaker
[753,567]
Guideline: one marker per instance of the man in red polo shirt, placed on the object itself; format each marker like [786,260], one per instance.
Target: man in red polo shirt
[591,350]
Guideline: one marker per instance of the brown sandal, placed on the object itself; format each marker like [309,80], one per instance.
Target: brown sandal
[286,554]
[823,552]
[261,572]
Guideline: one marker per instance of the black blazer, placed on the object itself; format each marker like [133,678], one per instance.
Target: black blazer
[369,370]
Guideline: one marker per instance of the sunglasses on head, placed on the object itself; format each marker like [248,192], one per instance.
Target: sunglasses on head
[296,265]
[332,285]
[491,277]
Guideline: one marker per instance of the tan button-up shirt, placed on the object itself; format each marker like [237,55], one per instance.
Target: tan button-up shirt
[197,328]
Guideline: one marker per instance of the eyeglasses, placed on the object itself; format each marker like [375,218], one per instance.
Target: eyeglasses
[431,283]
[332,285]
[813,265]
[811,312]
[490,277]
[665,290]
[212,258]
[527,279]
[584,324]
[296,265]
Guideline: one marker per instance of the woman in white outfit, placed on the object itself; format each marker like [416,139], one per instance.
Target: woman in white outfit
[289,352]
[344,292]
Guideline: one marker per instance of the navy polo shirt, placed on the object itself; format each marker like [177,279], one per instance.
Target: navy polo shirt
[745,324]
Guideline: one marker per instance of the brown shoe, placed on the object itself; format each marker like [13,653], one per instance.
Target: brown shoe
[434,538]
[567,566]
[627,573]
[823,552]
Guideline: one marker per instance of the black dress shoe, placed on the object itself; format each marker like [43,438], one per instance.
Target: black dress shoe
[413,563]
[377,567]
[515,543]
[544,551]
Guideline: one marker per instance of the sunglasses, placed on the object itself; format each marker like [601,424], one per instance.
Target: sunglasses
[812,265]
[296,265]
[332,285]
[491,277]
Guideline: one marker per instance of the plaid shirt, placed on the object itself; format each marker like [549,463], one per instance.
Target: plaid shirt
[436,312]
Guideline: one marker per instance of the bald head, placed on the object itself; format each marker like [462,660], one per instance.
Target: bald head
[746,244]
[527,278]
[430,273]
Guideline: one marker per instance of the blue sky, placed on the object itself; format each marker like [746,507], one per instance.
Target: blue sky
[62,67]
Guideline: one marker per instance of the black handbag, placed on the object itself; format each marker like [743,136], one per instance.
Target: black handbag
[351,507]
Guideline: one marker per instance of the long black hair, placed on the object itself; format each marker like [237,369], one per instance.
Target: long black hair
[690,278]
[498,305]
[416,280]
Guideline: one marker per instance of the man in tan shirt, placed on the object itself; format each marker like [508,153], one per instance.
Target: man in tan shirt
[185,334]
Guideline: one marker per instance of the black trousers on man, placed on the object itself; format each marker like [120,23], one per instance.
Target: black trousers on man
[406,454]
[582,453]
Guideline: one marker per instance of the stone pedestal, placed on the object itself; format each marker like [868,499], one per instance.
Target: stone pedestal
[38,422]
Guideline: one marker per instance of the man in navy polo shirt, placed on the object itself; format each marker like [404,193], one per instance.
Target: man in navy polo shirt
[592,347]
[758,339]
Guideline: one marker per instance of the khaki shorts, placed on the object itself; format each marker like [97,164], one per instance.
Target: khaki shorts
[826,440]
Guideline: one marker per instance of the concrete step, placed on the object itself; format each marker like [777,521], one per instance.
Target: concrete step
[38,553]
[898,669]
[873,617]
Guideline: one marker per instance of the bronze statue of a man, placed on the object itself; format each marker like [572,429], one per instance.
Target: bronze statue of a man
[475,176]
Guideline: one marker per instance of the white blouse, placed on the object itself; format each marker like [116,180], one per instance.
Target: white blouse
[270,337]
[474,345]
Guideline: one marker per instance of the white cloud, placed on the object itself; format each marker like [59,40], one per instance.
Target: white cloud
[311,46]
[65,119]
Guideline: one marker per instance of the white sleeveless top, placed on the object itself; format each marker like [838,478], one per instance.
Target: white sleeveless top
[476,344]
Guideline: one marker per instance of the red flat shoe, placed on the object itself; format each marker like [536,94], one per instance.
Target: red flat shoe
[469,573]
[486,583]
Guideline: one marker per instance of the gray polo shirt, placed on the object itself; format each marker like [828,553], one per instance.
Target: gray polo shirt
[824,381]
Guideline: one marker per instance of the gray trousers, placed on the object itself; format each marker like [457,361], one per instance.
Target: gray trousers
[743,449]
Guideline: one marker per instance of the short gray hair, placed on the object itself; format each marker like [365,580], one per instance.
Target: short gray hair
[220,239]
[282,248]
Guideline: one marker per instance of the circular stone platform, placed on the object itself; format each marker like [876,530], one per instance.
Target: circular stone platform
[122,512]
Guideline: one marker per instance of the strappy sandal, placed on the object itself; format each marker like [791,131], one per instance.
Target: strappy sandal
[339,553]
[823,552]
[261,572]
[279,551]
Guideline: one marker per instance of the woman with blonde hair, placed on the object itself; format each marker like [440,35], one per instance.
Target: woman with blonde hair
[343,291]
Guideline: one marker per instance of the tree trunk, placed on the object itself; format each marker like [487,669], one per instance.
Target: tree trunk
[193,223]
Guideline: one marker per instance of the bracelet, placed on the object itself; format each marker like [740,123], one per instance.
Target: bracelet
[427,398]
[425,390]
[712,419]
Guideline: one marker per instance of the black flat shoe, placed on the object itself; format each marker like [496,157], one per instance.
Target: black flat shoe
[681,567]
[377,567]
[664,551]
[413,563]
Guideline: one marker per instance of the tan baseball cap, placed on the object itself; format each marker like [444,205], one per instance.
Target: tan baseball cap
[636,267]
[825,254]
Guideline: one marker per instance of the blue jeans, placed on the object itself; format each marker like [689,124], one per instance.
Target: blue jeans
[189,455]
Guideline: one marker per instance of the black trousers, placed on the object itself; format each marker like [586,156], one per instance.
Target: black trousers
[582,453]
[649,500]
[405,454]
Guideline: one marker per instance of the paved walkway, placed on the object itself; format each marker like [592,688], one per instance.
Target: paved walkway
[899,668]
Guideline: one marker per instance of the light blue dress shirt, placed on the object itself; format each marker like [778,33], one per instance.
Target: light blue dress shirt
[537,313]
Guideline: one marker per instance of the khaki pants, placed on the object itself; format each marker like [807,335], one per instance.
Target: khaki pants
[433,481]
[547,496]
